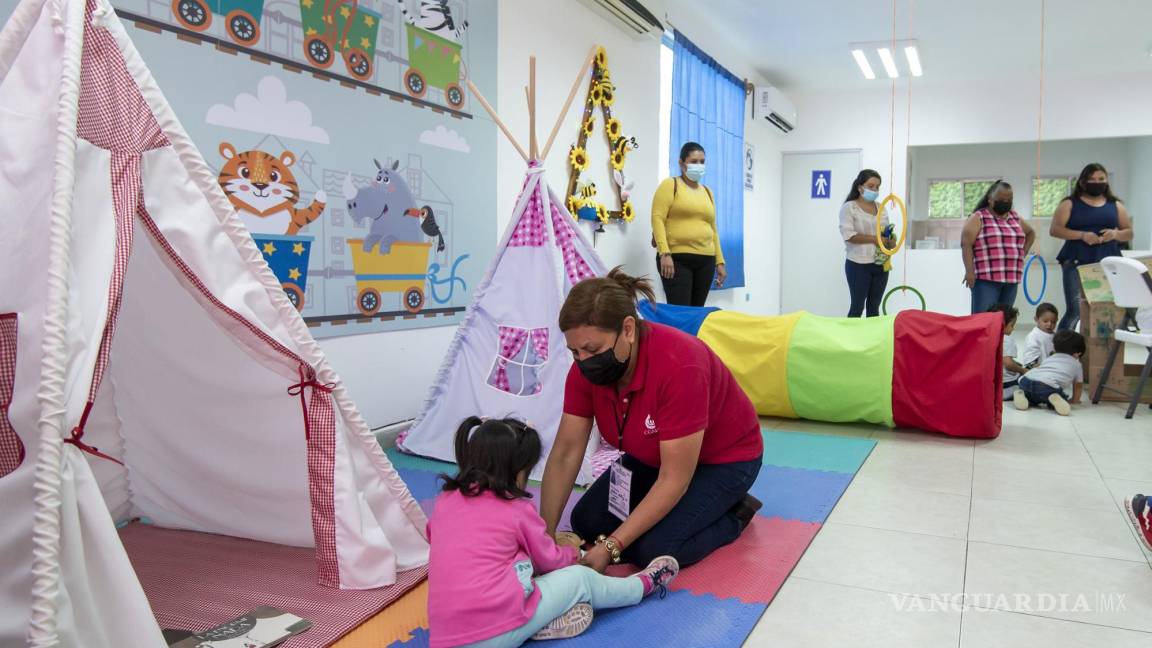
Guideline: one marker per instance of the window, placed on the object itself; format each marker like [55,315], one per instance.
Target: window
[1047,194]
[955,198]
[521,354]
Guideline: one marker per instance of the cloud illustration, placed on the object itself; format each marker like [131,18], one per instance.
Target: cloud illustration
[445,138]
[270,112]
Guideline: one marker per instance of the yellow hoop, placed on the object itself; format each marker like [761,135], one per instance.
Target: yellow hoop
[891,198]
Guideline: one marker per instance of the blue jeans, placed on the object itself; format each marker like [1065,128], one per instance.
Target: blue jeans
[986,293]
[700,523]
[866,284]
[563,588]
[1038,392]
[1071,274]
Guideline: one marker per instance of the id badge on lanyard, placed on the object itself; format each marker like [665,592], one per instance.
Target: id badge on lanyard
[620,478]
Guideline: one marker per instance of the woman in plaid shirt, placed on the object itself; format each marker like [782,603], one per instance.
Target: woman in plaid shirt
[995,241]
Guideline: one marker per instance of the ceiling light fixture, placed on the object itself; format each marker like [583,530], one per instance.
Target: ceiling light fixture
[913,56]
[889,62]
[862,61]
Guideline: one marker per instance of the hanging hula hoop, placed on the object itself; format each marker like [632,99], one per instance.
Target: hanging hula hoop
[894,199]
[1043,282]
[884,304]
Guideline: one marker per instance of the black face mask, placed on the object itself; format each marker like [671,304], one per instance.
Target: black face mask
[603,368]
[1002,207]
[1095,189]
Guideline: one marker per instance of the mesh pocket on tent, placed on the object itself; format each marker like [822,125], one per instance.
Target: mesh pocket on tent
[518,361]
[11,449]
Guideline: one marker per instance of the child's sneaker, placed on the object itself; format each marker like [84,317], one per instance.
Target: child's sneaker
[573,622]
[1140,515]
[1020,400]
[658,574]
[1059,404]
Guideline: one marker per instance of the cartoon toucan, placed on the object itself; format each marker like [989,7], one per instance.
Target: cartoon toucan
[428,225]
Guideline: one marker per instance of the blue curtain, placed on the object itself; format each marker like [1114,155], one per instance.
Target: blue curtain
[708,107]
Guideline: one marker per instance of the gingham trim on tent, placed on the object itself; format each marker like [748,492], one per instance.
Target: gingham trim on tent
[11,448]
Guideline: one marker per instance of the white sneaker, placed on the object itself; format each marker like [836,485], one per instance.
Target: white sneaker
[1060,405]
[1020,400]
[570,624]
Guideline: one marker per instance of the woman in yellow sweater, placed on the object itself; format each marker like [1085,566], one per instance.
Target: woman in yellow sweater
[684,229]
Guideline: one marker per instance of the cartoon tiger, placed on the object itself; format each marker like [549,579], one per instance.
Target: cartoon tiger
[435,16]
[264,191]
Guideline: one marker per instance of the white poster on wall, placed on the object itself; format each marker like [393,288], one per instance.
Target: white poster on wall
[749,161]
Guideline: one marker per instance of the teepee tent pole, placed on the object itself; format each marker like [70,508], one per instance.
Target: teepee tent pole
[496,118]
[532,145]
[568,102]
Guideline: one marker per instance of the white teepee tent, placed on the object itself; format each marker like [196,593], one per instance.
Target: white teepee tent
[508,357]
[137,317]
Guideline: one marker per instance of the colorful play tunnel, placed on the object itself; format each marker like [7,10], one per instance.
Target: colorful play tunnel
[913,370]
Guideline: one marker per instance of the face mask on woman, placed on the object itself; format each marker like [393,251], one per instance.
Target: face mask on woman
[1095,189]
[694,171]
[603,368]
[1002,207]
[870,195]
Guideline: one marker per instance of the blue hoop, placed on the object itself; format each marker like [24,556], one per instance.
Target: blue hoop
[1043,283]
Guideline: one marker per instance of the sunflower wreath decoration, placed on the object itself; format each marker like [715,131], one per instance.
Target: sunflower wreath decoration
[582,198]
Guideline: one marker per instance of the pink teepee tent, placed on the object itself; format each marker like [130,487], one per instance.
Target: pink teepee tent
[150,364]
[508,357]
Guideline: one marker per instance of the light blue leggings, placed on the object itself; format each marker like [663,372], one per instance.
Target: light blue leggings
[563,588]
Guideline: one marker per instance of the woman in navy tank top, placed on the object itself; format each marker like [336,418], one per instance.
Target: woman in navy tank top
[1092,222]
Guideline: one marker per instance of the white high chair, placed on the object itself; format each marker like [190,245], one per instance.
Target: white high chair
[1131,289]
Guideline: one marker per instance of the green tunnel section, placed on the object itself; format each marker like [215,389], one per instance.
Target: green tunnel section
[840,370]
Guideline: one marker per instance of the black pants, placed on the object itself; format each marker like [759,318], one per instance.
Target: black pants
[690,284]
[866,284]
[700,523]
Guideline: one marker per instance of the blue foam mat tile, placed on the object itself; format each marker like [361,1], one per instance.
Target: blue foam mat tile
[683,619]
[421,483]
[797,494]
[815,451]
[419,640]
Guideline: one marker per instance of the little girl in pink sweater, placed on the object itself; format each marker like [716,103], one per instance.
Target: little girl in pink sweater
[496,578]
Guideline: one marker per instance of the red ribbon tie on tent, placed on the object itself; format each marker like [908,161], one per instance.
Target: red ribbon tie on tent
[308,381]
[75,438]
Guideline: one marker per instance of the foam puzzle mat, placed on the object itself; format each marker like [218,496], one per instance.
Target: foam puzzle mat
[714,603]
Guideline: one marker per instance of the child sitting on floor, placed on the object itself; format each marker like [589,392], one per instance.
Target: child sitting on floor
[1038,345]
[1048,383]
[1012,369]
[496,578]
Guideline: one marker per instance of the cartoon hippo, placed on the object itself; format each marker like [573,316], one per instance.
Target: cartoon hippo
[389,203]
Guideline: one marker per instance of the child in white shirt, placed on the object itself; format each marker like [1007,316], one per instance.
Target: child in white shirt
[1048,383]
[1038,345]
[1012,369]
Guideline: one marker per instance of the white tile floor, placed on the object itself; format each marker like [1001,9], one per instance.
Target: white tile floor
[1015,523]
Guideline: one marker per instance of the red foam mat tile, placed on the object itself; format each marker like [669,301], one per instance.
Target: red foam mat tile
[753,568]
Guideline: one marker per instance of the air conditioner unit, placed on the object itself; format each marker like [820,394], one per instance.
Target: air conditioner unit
[774,106]
[637,19]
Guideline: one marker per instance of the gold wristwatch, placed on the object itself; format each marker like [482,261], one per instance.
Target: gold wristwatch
[613,547]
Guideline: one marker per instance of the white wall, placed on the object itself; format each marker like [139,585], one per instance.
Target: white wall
[389,374]
[1138,195]
[963,114]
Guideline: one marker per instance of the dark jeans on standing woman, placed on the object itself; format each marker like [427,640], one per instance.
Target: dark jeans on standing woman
[690,284]
[866,284]
[700,523]
[1071,274]
[986,293]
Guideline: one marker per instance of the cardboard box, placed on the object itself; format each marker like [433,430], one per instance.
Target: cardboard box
[1099,316]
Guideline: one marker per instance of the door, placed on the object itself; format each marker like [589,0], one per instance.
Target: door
[812,252]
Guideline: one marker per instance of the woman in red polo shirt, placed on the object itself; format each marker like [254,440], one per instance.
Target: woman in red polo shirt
[690,436]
